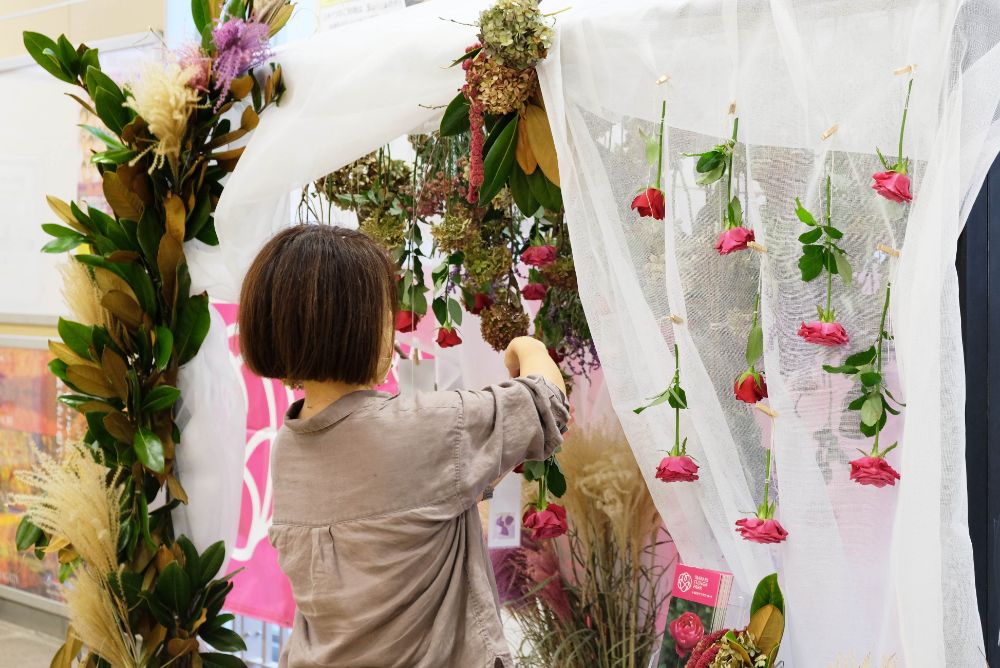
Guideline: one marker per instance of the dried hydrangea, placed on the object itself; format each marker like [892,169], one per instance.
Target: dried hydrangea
[503,322]
[384,228]
[484,265]
[561,273]
[455,231]
[503,89]
[515,33]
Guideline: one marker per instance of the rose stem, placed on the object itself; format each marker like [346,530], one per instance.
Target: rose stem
[902,126]
[659,161]
[729,179]
[878,358]
[830,251]
[541,505]
[767,483]
[756,308]
[677,410]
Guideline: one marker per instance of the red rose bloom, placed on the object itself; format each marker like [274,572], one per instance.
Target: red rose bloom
[649,204]
[519,468]
[733,239]
[824,333]
[750,389]
[539,256]
[407,321]
[687,631]
[448,338]
[549,522]
[873,471]
[556,356]
[756,530]
[479,302]
[677,468]
[893,186]
[534,291]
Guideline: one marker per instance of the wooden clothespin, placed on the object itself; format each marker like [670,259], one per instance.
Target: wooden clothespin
[760,248]
[906,69]
[732,108]
[888,250]
[415,355]
[664,78]
[830,131]
[766,410]
[676,319]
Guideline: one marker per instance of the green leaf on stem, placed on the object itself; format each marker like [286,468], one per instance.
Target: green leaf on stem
[555,481]
[520,190]
[810,265]
[843,267]
[862,358]
[43,51]
[833,232]
[735,212]
[455,309]
[871,410]
[768,593]
[78,337]
[755,345]
[161,398]
[27,534]
[846,369]
[676,397]
[456,117]
[173,588]
[811,236]
[149,449]
[871,378]
[499,161]
[440,309]
[803,213]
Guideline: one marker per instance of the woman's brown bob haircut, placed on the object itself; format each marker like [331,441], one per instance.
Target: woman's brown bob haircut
[316,304]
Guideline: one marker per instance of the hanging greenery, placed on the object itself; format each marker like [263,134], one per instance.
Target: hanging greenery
[166,136]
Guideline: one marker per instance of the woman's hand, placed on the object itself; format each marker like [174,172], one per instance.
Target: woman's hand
[527,356]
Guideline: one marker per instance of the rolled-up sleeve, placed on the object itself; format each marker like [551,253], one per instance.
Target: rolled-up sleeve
[503,425]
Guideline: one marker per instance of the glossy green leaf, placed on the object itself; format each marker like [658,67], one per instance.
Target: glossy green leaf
[861,358]
[812,236]
[547,193]
[810,265]
[499,161]
[555,481]
[455,309]
[173,588]
[755,345]
[111,110]
[871,410]
[440,309]
[222,639]
[219,660]
[520,190]
[456,117]
[78,337]
[43,51]
[211,562]
[149,449]
[676,397]
[768,593]
[27,534]
[871,378]
[803,214]
[62,244]
[193,322]
[163,347]
[161,398]
[201,13]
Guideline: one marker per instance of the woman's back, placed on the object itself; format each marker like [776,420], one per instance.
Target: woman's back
[376,526]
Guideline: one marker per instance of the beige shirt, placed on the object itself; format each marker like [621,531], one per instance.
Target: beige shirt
[376,525]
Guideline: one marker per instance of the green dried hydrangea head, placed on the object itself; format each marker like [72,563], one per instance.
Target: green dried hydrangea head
[384,228]
[455,231]
[561,273]
[484,265]
[515,33]
[503,322]
[503,89]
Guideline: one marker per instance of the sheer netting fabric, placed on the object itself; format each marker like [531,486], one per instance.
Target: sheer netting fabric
[867,573]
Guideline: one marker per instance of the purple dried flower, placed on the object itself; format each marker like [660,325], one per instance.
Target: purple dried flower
[509,566]
[239,45]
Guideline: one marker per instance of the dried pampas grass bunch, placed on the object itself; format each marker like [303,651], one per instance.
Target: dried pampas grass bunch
[77,502]
[591,600]
[83,289]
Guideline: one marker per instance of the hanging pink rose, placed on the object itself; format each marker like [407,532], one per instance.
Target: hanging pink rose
[757,530]
[549,522]
[447,338]
[824,333]
[749,389]
[649,203]
[687,631]
[893,186]
[534,291]
[479,302]
[734,239]
[677,468]
[873,471]
[406,321]
[539,256]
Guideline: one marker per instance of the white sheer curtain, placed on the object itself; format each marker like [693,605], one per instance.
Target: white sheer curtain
[865,571]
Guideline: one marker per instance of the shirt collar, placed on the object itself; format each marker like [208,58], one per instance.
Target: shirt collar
[332,414]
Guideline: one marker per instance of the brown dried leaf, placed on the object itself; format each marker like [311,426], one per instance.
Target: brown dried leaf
[176,215]
[124,202]
[63,352]
[91,380]
[167,258]
[123,307]
[250,119]
[123,256]
[118,426]
[180,647]
[67,654]
[280,19]
[56,543]
[231,154]
[116,371]
[241,87]
[525,157]
[61,209]
[536,125]
[96,407]
[767,626]
[136,179]
[68,555]
[176,491]
[164,557]
[152,639]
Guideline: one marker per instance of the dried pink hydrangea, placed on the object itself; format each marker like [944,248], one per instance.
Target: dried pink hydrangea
[239,45]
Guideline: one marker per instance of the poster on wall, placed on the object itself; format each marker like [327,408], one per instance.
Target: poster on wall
[31,421]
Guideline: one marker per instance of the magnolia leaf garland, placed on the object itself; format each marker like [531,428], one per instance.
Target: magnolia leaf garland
[161,173]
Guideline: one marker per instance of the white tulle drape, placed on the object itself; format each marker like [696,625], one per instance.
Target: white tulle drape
[866,572]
